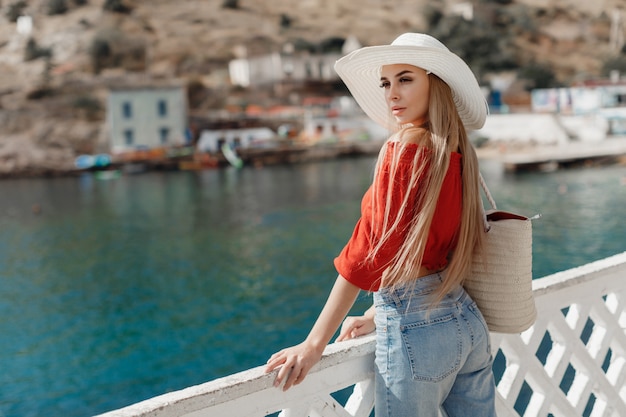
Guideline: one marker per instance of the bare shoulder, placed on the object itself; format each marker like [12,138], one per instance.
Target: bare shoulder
[415,135]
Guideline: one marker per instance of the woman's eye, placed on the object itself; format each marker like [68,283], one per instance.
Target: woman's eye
[405,80]
[384,84]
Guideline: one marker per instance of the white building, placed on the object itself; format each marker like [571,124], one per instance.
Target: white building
[146,117]
[580,99]
[606,101]
[273,68]
[212,140]
[289,65]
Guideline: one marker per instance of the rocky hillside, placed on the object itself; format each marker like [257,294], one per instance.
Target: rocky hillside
[54,79]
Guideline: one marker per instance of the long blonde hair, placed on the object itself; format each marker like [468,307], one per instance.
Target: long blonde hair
[446,134]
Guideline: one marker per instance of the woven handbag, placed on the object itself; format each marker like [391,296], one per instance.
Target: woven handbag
[500,281]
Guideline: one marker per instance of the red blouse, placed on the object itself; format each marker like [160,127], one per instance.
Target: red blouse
[351,262]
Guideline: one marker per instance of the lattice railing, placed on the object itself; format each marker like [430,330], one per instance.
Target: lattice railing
[570,363]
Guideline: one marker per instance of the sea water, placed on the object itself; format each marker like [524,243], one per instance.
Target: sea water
[112,292]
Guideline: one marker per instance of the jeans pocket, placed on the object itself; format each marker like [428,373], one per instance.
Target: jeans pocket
[434,347]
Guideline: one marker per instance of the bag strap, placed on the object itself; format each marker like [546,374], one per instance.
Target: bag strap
[493,203]
[487,193]
[489,197]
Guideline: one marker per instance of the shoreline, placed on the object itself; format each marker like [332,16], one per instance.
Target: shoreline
[181,160]
[515,156]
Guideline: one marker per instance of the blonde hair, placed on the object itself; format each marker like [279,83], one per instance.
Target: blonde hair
[445,134]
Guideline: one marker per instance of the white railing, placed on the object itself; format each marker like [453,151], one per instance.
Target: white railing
[570,363]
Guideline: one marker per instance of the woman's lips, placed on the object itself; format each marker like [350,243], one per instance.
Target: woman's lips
[396,111]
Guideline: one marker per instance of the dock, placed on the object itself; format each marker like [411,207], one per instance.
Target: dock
[548,158]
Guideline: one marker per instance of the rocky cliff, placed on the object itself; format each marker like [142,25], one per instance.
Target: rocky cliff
[54,77]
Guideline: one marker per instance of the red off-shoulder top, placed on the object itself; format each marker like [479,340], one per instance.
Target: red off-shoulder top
[351,262]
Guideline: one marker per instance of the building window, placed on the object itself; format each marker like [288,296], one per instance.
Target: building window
[162,108]
[129,137]
[164,132]
[127,110]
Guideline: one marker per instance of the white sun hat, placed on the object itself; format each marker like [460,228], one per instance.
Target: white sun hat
[360,71]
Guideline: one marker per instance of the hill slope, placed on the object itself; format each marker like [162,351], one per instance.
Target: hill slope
[52,89]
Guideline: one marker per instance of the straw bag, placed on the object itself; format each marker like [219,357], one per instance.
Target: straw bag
[500,280]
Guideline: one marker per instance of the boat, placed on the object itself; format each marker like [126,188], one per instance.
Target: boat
[84,161]
[92,161]
[570,363]
[231,156]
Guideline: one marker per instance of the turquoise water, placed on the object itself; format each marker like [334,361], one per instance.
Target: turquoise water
[115,291]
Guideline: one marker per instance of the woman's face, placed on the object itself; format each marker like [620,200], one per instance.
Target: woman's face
[406,92]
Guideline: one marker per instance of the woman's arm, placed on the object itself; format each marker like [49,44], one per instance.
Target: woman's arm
[296,361]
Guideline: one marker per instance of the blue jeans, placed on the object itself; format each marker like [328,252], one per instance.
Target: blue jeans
[431,361]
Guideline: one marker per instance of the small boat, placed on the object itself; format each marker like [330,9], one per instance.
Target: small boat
[92,161]
[231,156]
[84,161]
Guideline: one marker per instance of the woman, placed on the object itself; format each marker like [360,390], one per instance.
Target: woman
[420,222]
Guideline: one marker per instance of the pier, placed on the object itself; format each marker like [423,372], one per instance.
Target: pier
[553,157]
[547,142]
[570,363]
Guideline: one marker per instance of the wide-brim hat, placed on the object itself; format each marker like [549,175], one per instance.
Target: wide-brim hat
[360,71]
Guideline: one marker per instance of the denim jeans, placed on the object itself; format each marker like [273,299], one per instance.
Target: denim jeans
[431,361]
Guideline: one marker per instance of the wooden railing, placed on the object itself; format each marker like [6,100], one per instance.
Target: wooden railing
[570,363]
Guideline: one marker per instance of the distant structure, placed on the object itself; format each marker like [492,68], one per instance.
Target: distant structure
[351,44]
[605,99]
[464,9]
[146,117]
[287,65]
[616,39]
[24,25]
[277,67]
[213,140]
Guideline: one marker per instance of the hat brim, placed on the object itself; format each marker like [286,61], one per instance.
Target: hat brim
[360,71]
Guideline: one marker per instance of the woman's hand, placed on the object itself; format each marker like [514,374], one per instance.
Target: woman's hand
[295,363]
[357,326]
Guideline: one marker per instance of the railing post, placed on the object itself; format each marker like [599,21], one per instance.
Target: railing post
[361,402]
